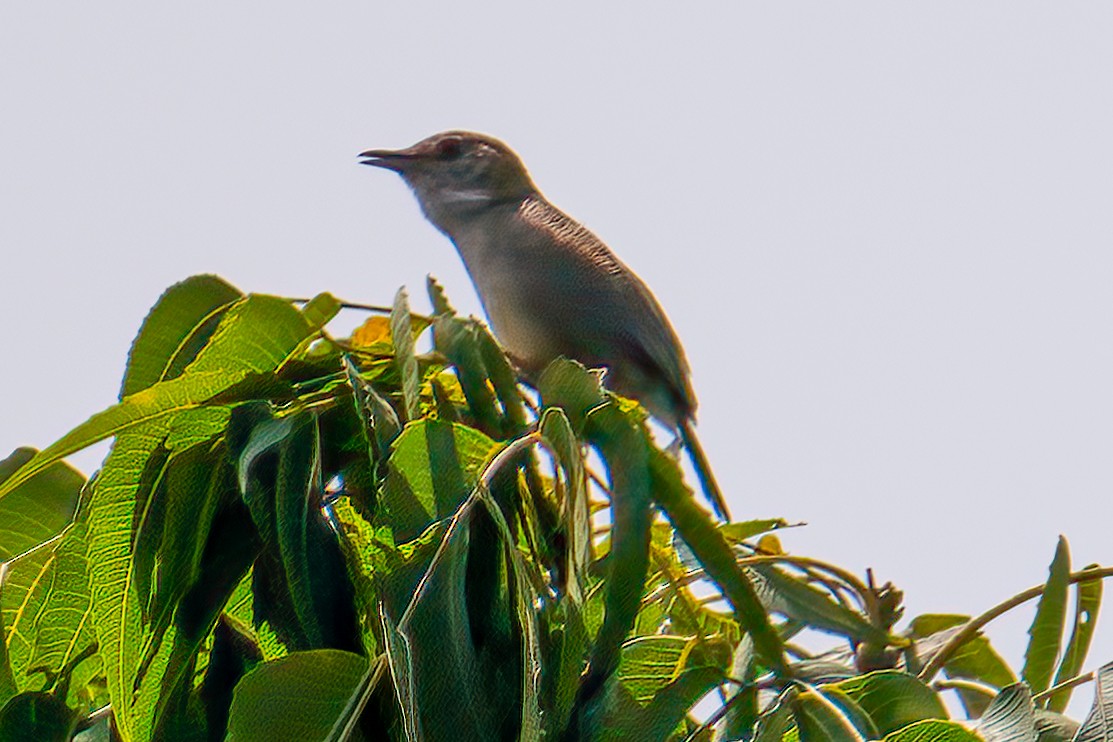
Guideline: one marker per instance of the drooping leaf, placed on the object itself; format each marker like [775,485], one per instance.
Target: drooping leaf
[1046,631]
[623,446]
[718,560]
[40,507]
[144,664]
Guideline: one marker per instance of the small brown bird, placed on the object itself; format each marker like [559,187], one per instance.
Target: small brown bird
[549,286]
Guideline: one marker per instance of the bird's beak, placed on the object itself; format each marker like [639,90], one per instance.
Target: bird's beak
[391,159]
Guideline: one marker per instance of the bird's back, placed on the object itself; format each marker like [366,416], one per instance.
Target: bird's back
[551,288]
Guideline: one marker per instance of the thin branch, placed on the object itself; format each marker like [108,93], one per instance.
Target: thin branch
[967,685]
[974,625]
[1071,683]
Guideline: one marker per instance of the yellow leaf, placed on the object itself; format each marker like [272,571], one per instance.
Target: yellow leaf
[769,544]
[375,331]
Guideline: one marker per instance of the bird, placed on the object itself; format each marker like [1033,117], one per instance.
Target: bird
[548,285]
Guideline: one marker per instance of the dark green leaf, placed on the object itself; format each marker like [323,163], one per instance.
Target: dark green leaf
[570,386]
[624,448]
[36,717]
[305,696]
[458,341]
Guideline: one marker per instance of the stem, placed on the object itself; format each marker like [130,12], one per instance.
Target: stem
[974,625]
[1071,683]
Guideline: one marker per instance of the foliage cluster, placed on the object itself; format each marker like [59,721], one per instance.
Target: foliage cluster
[300,537]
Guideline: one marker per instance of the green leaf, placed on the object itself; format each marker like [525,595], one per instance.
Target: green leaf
[36,717]
[150,406]
[783,593]
[177,327]
[1098,726]
[830,715]
[458,340]
[933,731]
[437,297]
[320,310]
[975,660]
[1054,727]
[697,530]
[893,699]
[1046,631]
[739,532]
[304,696]
[432,468]
[774,722]
[40,507]
[449,683]
[576,517]
[1011,716]
[1087,602]
[401,334]
[503,379]
[622,442]
[573,388]
[46,616]
[144,666]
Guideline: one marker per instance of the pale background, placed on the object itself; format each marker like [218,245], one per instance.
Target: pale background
[882,229]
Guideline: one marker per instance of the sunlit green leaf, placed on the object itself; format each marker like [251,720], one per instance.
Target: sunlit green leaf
[40,507]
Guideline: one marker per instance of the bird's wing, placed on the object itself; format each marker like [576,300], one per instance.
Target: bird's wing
[654,343]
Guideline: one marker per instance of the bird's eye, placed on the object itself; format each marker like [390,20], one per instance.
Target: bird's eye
[449,149]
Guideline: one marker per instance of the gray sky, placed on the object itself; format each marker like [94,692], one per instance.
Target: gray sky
[882,229]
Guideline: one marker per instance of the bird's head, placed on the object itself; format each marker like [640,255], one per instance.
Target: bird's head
[456,172]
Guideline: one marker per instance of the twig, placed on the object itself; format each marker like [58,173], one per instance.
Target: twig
[1071,683]
[974,625]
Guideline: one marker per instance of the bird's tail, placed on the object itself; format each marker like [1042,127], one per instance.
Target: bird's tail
[703,470]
